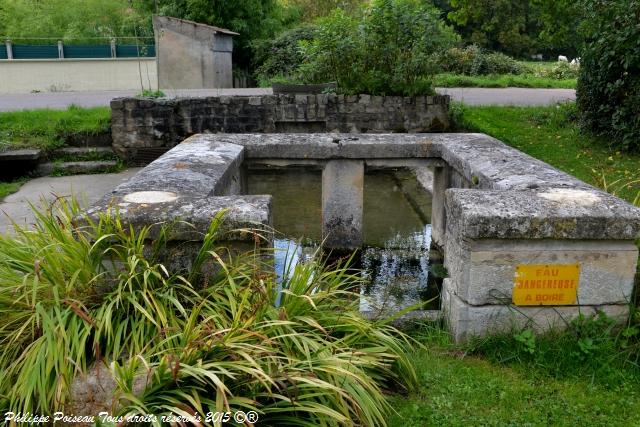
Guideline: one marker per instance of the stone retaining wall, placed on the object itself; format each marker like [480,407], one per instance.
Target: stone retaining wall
[142,128]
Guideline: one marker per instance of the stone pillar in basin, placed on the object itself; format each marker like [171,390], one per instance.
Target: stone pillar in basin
[342,204]
[441,182]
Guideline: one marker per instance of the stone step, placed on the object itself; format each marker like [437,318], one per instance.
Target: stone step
[81,151]
[20,155]
[89,140]
[71,168]
[17,163]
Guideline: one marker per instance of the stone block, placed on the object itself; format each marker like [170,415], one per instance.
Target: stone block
[483,271]
[550,213]
[196,167]
[466,321]
[438,215]
[190,216]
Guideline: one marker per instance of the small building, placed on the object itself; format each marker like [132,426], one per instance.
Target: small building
[192,55]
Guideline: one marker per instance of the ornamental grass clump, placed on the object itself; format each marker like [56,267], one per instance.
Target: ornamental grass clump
[219,337]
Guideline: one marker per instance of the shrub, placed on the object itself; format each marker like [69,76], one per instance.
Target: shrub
[608,92]
[283,55]
[388,51]
[72,298]
[473,61]
[560,71]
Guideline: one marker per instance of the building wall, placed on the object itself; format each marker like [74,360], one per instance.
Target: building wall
[28,75]
[192,56]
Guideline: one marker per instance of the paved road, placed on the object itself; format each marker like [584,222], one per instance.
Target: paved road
[471,96]
[22,101]
[87,188]
[509,96]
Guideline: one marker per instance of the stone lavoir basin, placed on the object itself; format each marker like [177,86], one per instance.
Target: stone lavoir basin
[398,263]
[523,243]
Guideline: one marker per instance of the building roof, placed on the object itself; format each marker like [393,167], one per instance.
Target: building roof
[212,27]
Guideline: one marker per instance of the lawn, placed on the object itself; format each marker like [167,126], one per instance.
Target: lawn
[502,81]
[7,188]
[470,391]
[47,129]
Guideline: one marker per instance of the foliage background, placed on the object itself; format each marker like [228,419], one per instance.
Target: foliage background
[608,90]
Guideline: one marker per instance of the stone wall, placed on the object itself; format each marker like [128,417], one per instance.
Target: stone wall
[143,128]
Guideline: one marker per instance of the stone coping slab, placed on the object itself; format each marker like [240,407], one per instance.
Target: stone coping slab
[478,157]
[513,195]
[551,213]
[188,186]
[198,167]
[191,216]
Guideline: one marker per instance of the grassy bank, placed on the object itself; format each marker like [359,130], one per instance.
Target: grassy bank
[466,390]
[502,81]
[551,134]
[47,129]
[7,188]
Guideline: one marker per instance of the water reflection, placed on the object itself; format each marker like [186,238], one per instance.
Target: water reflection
[397,259]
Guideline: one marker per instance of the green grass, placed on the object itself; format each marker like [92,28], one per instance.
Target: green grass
[47,129]
[551,134]
[502,81]
[586,375]
[7,188]
[469,391]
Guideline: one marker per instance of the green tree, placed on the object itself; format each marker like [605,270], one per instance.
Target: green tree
[609,83]
[74,21]
[518,27]
[386,51]
[310,10]
[509,26]
[559,21]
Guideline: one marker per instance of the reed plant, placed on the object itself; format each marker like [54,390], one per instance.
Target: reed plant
[76,294]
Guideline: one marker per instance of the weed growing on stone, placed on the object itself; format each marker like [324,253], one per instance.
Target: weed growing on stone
[148,93]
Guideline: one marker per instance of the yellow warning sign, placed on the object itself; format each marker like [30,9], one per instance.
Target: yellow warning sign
[546,284]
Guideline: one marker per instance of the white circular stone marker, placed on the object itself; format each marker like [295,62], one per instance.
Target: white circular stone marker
[150,197]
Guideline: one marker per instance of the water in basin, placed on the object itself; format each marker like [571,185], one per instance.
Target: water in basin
[397,261]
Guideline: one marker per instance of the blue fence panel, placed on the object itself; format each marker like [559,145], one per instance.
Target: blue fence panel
[78,51]
[87,51]
[34,51]
[131,51]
